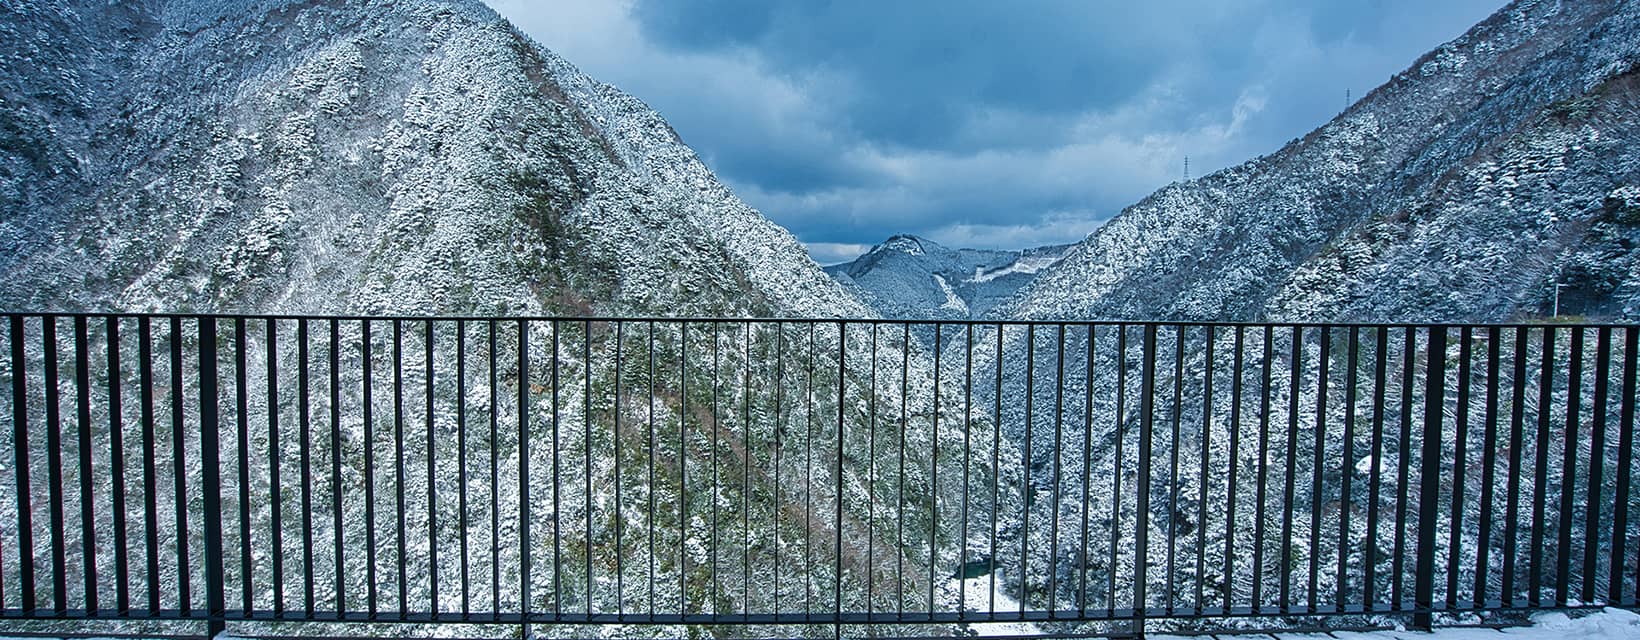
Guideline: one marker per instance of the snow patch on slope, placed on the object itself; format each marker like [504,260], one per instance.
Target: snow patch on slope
[953,302]
[1028,264]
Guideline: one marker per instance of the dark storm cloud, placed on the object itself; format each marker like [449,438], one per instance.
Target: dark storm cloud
[920,70]
[983,122]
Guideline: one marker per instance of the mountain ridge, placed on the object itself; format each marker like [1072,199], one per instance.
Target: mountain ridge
[1249,242]
[281,109]
[908,277]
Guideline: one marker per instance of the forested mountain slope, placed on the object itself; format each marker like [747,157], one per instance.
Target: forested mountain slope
[1464,189]
[392,155]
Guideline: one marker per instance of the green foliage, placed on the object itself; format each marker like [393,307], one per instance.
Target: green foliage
[1573,109]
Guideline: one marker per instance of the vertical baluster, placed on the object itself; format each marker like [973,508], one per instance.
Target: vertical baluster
[1147,415]
[432,481]
[1489,440]
[525,573]
[1173,467]
[1058,450]
[1625,473]
[1517,442]
[1116,474]
[145,382]
[779,444]
[615,417]
[88,505]
[1318,460]
[1429,477]
[712,461]
[1296,368]
[837,471]
[275,505]
[1346,471]
[899,511]
[241,348]
[1238,360]
[683,468]
[1597,462]
[1403,467]
[808,476]
[461,463]
[180,470]
[1025,488]
[398,463]
[210,463]
[650,488]
[746,472]
[336,465]
[54,468]
[1540,481]
[1083,562]
[490,330]
[557,484]
[1263,468]
[1459,466]
[1568,470]
[967,427]
[367,386]
[996,473]
[933,471]
[1376,455]
[1208,363]
[20,451]
[116,451]
[871,476]
[586,445]
[306,464]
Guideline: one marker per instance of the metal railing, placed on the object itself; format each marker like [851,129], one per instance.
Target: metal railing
[816,474]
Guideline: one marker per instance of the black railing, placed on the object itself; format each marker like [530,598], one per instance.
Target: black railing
[828,476]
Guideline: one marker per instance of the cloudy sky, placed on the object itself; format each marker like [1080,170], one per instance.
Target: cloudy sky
[983,123]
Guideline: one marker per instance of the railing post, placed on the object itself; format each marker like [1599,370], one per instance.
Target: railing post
[20,449]
[1141,557]
[210,462]
[524,573]
[1430,479]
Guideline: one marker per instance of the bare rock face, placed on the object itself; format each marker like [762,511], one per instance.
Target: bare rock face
[1464,189]
[364,156]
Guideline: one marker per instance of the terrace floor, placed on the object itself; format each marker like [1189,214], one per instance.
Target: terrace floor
[1610,624]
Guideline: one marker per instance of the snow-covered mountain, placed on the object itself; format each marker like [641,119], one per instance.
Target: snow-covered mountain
[362,156]
[1464,189]
[912,278]
[424,157]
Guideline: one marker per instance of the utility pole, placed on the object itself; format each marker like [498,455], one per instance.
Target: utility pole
[1348,100]
[1187,168]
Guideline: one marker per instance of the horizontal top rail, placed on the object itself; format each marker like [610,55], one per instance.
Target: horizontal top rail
[823,320]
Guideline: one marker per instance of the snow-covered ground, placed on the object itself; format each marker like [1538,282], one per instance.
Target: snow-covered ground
[1610,624]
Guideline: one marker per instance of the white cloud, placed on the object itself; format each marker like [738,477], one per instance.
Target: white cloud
[1059,227]
[1007,177]
[829,253]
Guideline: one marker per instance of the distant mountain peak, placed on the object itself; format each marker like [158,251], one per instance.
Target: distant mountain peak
[907,244]
[911,277]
